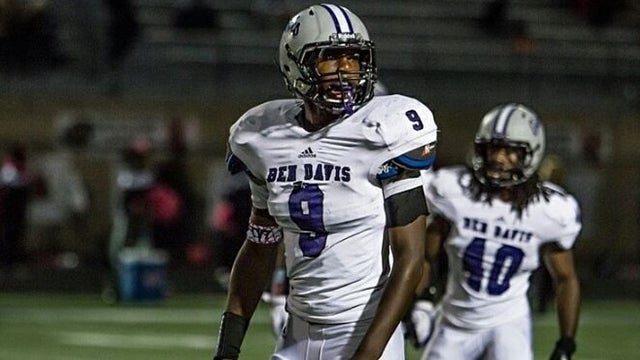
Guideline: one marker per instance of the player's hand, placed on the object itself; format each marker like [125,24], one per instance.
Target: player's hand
[565,347]
[423,315]
[279,315]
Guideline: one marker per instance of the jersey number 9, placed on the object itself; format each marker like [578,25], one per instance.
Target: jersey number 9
[306,210]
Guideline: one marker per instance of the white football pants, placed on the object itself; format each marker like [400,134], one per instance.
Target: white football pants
[301,340]
[508,341]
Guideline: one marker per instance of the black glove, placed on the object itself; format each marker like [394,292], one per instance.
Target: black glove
[565,347]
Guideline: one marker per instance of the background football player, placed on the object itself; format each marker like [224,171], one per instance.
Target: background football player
[494,218]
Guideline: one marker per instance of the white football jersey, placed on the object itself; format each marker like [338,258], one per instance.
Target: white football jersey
[321,188]
[492,252]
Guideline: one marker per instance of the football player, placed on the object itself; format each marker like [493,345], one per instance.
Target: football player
[275,297]
[494,218]
[331,172]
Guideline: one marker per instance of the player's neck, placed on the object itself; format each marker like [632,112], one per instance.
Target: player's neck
[314,118]
[506,194]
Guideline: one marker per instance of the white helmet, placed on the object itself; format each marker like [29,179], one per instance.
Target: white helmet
[512,125]
[307,36]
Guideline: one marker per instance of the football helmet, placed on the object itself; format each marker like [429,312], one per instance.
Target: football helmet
[509,125]
[311,35]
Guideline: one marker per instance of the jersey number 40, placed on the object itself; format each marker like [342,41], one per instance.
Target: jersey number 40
[505,263]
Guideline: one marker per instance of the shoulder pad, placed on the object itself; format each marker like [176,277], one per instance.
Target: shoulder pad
[563,215]
[563,207]
[261,118]
[400,121]
[448,181]
[246,133]
[445,191]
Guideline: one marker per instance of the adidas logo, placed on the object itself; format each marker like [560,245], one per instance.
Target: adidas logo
[307,153]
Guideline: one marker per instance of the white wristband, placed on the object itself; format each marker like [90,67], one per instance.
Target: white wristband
[264,234]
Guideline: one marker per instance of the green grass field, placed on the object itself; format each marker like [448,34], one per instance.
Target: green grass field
[82,327]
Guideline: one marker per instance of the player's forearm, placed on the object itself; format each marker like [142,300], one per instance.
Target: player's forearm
[396,300]
[568,306]
[253,266]
[249,276]
[425,277]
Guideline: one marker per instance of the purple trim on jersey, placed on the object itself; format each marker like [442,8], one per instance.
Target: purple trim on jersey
[336,23]
[234,164]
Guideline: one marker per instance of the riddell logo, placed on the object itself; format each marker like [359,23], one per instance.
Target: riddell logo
[308,153]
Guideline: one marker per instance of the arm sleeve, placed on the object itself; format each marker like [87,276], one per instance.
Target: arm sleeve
[404,200]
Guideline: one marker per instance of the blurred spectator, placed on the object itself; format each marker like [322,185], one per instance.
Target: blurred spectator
[28,35]
[17,186]
[166,212]
[131,222]
[123,30]
[592,148]
[174,229]
[58,220]
[195,14]
[147,209]
[131,218]
[78,135]
[228,220]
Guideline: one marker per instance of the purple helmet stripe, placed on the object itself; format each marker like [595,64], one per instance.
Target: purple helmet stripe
[502,121]
[340,19]
[333,17]
[346,16]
